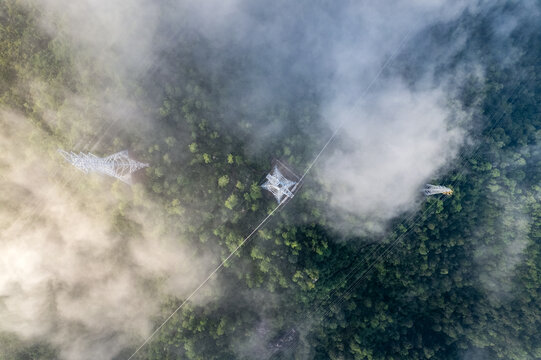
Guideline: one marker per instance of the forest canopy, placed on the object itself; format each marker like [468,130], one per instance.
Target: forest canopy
[357,265]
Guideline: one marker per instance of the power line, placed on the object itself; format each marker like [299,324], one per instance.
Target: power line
[357,103]
[206,280]
[389,247]
[331,138]
[329,141]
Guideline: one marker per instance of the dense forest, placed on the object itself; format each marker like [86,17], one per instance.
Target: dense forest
[459,277]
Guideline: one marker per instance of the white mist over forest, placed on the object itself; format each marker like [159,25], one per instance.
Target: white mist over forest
[69,278]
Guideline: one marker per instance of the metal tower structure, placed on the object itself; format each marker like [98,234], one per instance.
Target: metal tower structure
[118,165]
[286,340]
[281,187]
[436,189]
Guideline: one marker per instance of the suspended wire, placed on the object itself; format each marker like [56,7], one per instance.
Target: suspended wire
[464,158]
[245,240]
[363,261]
[389,247]
[475,155]
[331,138]
[357,103]
[458,177]
[206,280]
[94,140]
[339,300]
[363,275]
[383,255]
[340,126]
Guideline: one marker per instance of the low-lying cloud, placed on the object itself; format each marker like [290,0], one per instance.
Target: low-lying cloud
[390,146]
[66,274]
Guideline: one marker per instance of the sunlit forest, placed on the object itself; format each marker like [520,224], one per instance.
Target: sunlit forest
[358,264]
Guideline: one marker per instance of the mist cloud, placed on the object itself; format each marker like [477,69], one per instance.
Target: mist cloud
[69,278]
[66,275]
[388,150]
[407,127]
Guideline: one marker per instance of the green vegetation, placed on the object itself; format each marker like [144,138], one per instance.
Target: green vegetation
[430,298]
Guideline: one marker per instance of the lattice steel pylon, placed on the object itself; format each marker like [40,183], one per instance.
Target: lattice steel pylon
[118,165]
[281,187]
[436,189]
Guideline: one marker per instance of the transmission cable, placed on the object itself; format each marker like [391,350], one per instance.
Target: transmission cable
[331,138]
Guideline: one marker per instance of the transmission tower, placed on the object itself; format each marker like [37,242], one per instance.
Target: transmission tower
[118,165]
[281,187]
[436,189]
